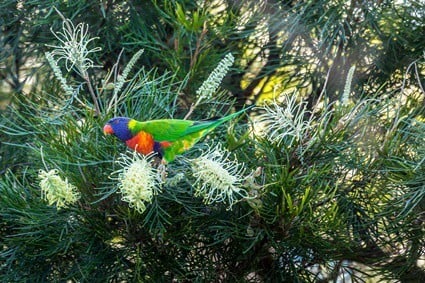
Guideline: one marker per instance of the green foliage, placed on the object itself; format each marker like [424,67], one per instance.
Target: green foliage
[338,193]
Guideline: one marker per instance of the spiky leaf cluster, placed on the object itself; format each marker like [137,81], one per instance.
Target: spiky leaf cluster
[328,190]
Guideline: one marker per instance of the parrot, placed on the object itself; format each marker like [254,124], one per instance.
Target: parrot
[165,137]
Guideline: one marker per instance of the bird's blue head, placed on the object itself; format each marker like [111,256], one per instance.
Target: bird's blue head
[118,126]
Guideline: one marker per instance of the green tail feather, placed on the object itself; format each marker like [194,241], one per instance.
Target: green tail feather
[210,124]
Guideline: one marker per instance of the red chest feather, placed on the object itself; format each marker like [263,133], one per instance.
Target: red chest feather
[142,143]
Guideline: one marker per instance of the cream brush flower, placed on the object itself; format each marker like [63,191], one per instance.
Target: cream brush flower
[218,179]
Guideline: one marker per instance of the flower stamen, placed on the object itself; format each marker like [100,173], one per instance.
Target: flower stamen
[217,178]
[56,190]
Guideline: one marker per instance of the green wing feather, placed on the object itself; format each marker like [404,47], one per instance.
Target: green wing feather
[164,129]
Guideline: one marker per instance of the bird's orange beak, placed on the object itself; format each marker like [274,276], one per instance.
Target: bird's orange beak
[107,130]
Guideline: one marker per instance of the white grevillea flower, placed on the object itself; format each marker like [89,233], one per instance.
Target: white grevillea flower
[210,85]
[56,190]
[138,180]
[218,179]
[73,47]
[347,88]
[286,123]
[58,74]
[121,78]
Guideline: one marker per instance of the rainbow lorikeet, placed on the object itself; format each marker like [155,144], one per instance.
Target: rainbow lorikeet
[166,137]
